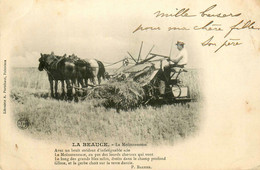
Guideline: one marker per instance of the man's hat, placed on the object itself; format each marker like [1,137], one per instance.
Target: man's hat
[180,42]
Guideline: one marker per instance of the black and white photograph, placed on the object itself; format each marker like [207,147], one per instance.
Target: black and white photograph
[92,82]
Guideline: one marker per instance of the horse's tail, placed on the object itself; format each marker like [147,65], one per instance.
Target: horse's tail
[101,70]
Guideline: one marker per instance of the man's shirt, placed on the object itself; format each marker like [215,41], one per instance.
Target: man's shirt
[182,53]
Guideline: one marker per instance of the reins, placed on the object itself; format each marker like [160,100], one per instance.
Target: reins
[110,64]
[49,72]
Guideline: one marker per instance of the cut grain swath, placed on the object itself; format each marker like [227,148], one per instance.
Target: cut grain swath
[122,95]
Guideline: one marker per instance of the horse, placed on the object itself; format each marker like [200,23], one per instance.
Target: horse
[83,69]
[101,71]
[58,68]
[98,70]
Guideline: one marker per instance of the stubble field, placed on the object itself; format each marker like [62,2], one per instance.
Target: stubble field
[59,120]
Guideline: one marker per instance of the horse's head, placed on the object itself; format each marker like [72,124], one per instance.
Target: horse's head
[42,62]
[45,61]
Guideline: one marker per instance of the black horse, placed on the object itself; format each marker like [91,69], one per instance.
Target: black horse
[83,70]
[101,71]
[59,68]
[89,69]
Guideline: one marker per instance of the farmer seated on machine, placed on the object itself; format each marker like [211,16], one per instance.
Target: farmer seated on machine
[177,63]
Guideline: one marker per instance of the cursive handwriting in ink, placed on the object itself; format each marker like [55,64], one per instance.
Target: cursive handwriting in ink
[231,42]
[249,25]
[220,15]
[141,28]
[209,27]
[177,28]
[180,13]
[208,42]
[234,42]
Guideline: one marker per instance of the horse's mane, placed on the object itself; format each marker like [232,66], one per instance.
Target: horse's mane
[49,59]
[54,62]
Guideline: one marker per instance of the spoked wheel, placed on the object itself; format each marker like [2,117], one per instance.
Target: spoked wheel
[176,91]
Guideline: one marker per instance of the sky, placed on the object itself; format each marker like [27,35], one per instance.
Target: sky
[102,30]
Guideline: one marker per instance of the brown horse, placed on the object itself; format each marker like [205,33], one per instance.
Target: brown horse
[59,68]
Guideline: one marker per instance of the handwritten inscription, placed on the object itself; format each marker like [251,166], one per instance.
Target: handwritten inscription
[141,28]
[184,12]
[206,13]
[210,26]
[180,13]
[177,28]
[231,42]
[239,26]
[208,42]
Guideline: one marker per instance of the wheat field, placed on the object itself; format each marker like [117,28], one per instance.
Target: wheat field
[59,120]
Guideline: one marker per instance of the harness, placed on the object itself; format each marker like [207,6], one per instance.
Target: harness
[53,65]
[48,72]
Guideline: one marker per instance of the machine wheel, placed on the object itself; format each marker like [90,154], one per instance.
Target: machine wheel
[176,91]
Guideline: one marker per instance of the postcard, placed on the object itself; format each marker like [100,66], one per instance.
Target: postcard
[129,84]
